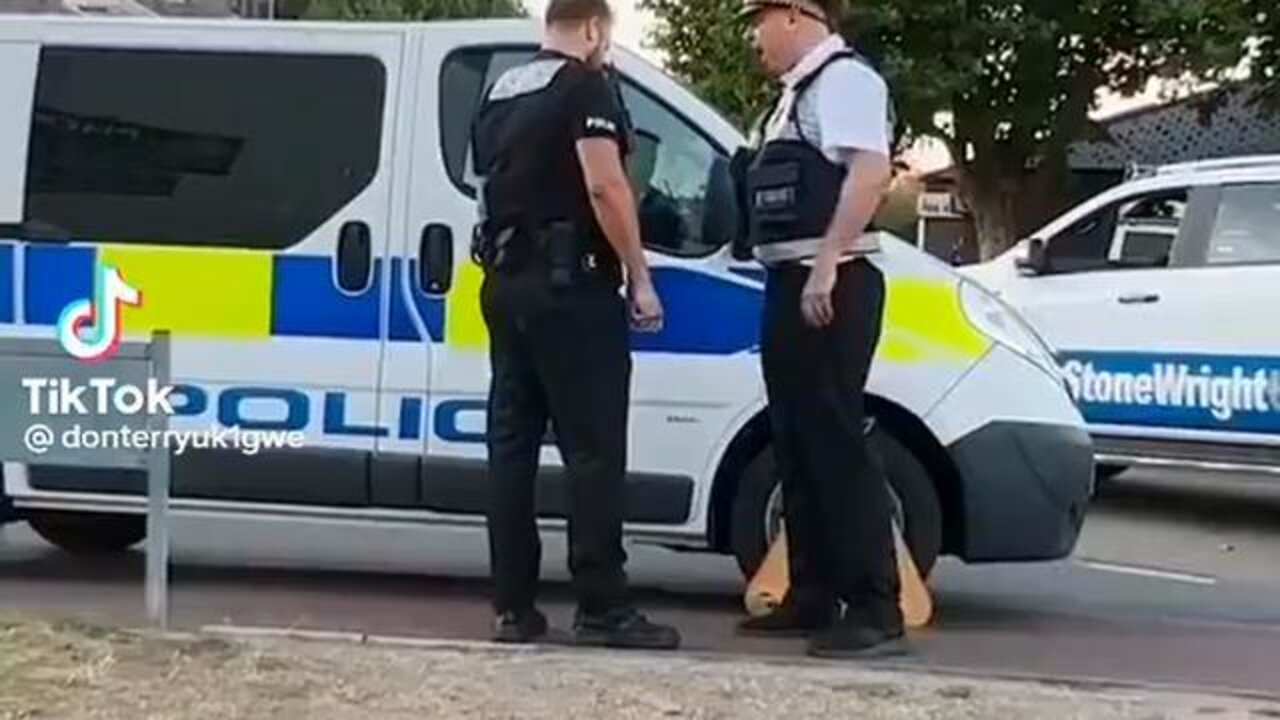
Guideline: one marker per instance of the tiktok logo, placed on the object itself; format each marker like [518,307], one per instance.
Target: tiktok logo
[90,329]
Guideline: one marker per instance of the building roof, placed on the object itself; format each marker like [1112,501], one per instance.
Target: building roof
[1182,131]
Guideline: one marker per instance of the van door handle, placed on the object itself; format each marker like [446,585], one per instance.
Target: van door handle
[435,259]
[355,257]
[1139,299]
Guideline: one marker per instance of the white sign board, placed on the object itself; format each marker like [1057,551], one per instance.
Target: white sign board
[939,205]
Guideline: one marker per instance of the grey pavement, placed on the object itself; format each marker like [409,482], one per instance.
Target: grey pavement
[1174,582]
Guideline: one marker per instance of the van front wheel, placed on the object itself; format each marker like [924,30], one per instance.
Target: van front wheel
[757,509]
[89,533]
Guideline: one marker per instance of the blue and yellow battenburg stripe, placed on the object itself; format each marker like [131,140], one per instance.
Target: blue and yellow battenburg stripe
[254,295]
[223,293]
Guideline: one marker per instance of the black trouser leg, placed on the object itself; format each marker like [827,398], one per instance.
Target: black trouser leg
[824,379]
[854,491]
[784,358]
[582,349]
[517,421]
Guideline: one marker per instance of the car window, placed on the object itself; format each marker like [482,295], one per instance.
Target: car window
[670,168]
[1247,229]
[199,148]
[670,165]
[1135,232]
[1147,229]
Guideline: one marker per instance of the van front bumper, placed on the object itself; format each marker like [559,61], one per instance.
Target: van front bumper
[1027,487]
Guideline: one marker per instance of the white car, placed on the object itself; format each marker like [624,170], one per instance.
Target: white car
[1158,297]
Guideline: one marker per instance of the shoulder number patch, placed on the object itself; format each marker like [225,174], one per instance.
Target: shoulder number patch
[599,123]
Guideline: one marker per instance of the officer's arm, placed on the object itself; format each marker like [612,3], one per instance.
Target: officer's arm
[613,202]
[600,134]
[853,112]
[870,174]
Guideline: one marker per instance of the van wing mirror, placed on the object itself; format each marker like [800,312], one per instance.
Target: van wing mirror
[1036,261]
[720,216]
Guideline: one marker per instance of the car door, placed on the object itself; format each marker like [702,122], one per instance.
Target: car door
[1220,361]
[1108,296]
[247,195]
[436,374]
[683,392]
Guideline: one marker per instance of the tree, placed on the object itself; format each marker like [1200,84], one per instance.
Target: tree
[1008,85]
[706,47]
[1018,81]
[407,10]
[1267,35]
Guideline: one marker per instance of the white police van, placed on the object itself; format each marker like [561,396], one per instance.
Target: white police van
[1157,294]
[293,202]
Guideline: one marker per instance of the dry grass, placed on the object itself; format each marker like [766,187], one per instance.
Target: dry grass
[65,669]
[68,669]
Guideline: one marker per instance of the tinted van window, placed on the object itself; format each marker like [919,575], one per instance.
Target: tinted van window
[199,148]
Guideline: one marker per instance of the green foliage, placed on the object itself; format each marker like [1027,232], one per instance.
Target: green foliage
[1266,14]
[706,47]
[410,10]
[1020,77]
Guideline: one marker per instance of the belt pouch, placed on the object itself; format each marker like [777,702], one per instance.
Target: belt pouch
[563,252]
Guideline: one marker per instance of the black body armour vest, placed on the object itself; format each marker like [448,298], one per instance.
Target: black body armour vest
[792,187]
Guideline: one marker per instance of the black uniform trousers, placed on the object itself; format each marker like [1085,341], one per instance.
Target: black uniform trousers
[835,497]
[560,354]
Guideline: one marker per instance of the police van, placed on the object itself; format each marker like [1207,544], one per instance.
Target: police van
[294,203]
[1157,294]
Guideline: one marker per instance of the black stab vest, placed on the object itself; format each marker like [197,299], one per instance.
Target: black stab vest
[792,187]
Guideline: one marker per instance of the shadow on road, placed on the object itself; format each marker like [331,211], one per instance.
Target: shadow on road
[1222,504]
[56,566]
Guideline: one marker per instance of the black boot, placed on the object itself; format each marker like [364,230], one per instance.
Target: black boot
[790,619]
[862,635]
[624,628]
[519,626]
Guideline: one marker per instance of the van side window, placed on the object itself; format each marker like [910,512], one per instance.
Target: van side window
[670,168]
[199,148]
[1138,232]
[1247,229]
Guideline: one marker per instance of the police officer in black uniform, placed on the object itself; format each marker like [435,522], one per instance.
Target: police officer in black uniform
[558,237]
[814,183]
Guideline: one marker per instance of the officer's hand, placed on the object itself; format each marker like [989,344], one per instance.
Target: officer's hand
[815,301]
[646,308]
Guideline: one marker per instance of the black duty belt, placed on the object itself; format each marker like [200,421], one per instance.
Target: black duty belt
[558,248]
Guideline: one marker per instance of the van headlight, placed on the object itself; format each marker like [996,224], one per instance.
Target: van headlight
[1005,326]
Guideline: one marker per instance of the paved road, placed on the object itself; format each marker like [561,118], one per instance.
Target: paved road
[1175,582]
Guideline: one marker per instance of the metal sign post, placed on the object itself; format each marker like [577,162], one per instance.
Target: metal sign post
[158,487]
[40,427]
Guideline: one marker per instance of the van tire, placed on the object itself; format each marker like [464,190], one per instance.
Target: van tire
[912,488]
[89,533]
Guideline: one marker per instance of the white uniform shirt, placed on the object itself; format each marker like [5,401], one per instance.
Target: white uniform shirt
[846,110]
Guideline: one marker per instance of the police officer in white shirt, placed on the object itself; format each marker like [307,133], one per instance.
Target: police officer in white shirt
[819,172]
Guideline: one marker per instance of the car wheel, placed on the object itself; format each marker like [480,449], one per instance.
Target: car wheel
[757,509]
[89,533]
